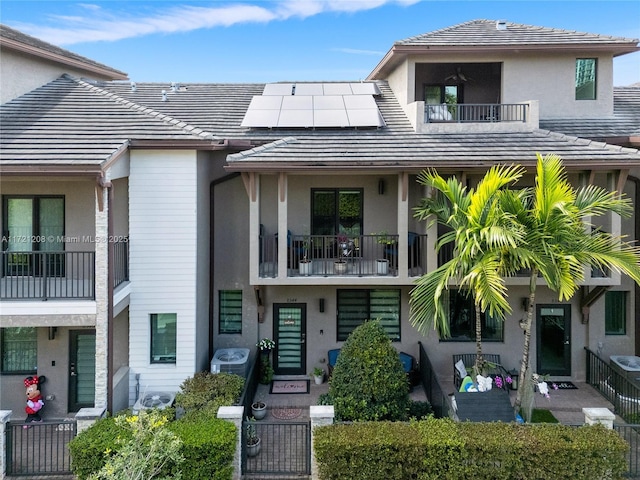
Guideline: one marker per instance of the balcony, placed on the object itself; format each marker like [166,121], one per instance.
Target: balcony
[476,113]
[34,275]
[342,256]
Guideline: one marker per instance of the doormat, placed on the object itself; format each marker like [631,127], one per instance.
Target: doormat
[289,386]
[564,385]
[286,413]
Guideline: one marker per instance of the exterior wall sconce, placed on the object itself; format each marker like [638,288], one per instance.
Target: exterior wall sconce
[381,187]
[52,333]
[321,305]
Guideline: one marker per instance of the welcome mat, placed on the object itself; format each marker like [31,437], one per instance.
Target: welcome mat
[289,386]
[286,413]
[564,385]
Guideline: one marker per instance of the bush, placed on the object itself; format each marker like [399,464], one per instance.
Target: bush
[153,451]
[208,446]
[368,381]
[207,391]
[443,449]
[89,448]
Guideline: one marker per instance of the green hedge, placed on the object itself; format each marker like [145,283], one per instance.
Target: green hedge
[207,391]
[91,448]
[442,449]
[368,381]
[208,446]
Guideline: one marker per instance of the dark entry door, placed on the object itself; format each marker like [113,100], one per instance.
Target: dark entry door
[554,339]
[82,369]
[291,339]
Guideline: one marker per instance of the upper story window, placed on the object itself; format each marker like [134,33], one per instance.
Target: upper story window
[230,311]
[336,211]
[586,74]
[462,320]
[163,337]
[19,350]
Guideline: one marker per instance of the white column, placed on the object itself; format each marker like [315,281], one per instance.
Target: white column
[88,416]
[5,415]
[102,291]
[235,415]
[320,415]
[283,221]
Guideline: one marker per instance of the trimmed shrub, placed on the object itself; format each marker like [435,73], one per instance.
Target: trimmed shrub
[208,446]
[207,391]
[368,381]
[443,449]
[89,448]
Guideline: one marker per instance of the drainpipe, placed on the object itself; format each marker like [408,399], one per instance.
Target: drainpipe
[636,202]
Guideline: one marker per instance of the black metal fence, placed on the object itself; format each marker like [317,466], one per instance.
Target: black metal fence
[615,387]
[120,261]
[39,448]
[631,433]
[47,275]
[284,449]
[439,401]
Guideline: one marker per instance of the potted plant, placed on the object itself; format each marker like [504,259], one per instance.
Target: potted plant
[304,267]
[345,247]
[382,264]
[259,410]
[252,438]
[266,370]
[318,375]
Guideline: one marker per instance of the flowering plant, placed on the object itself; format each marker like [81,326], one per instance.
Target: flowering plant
[507,380]
[266,344]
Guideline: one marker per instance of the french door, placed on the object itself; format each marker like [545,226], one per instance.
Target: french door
[290,355]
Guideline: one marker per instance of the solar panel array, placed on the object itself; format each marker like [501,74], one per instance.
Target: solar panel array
[310,105]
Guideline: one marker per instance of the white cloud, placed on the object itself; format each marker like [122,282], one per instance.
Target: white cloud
[102,25]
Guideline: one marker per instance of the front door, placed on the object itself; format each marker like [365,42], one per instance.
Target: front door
[291,336]
[554,339]
[82,369]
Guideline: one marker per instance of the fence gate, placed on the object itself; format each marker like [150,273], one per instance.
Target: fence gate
[39,448]
[284,450]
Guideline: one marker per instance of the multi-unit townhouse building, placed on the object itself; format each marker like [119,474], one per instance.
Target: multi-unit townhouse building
[147,225]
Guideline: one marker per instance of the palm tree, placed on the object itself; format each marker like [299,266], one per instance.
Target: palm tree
[559,242]
[479,232]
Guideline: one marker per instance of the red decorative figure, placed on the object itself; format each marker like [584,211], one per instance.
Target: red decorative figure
[35,401]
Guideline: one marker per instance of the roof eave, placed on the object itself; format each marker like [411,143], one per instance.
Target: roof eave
[107,73]
[399,52]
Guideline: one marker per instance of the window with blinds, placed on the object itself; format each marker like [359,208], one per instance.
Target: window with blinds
[230,311]
[615,313]
[19,350]
[357,306]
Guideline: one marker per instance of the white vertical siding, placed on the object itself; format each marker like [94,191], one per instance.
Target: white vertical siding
[163,257]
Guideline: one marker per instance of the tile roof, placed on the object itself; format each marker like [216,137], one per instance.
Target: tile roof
[624,122]
[11,38]
[72,122]
[485,33]
[418,151]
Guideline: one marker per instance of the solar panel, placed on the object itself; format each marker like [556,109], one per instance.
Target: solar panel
[307,105]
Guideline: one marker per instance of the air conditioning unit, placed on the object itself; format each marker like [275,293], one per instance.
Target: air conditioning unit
[159,400]
[231,360]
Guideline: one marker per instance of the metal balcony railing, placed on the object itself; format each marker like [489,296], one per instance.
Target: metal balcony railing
[476,113]
[120,261]
[337,255]
[33,275]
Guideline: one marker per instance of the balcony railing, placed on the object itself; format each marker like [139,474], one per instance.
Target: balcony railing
[120,262]
[476,113]
[331,255]
[47,275]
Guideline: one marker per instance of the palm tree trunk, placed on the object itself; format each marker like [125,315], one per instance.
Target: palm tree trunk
[478,365]
[524,364]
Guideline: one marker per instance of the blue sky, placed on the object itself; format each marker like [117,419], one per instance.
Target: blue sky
[267,41]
